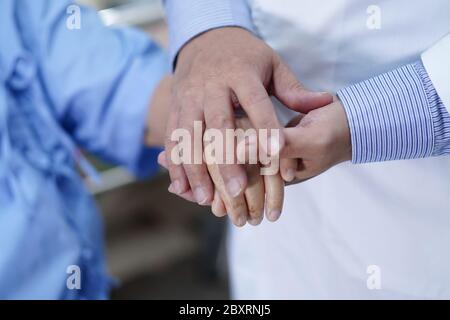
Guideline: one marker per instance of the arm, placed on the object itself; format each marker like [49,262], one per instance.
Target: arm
[402,114]
[99,80]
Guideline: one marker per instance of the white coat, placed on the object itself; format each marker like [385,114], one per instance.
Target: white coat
[357,231]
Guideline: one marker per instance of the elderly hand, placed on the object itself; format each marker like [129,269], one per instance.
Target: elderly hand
[219,70]
[262,192]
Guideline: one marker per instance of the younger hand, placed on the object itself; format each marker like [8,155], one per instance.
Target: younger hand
[318,140]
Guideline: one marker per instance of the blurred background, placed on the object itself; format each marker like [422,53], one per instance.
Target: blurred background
[158,246]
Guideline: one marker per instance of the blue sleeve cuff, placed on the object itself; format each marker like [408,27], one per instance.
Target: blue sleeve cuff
[396,115]
[187,19]
[98,81]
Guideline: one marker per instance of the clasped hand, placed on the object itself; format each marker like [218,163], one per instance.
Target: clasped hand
[227,68]
[314,143]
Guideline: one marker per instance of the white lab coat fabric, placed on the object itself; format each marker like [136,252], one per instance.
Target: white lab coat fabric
[357,231]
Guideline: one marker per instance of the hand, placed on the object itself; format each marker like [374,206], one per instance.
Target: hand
[319,140]
[261,192]
[219,70]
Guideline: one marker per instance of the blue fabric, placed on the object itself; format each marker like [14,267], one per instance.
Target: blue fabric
[188,19]
[396,115]
[60,89]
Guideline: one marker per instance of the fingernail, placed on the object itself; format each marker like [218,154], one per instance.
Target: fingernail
[274,146]
[176,187]
[234,187]
[240,222]
[255,221]
[200,195]
[170,189]
[274,215]
[290,175]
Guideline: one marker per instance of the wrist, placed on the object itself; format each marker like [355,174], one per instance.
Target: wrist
[343,134]
[158,114]
[208,39]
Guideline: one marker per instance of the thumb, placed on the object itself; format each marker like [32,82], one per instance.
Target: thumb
[292,93]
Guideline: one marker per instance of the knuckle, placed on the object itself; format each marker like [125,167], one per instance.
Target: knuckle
[214,91]
[189,90]
[254,97]
[229,171]
[266,123]
[238,70]
[294,85]
[173,168]
[196,174]
[235,62]
[236,207]
[219,121]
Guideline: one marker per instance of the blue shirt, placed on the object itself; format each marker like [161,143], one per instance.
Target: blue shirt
[60,89]
[397,115]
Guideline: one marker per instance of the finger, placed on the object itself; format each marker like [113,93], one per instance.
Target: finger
[254,195]
[292,93]
[288,168]
[188,195]
[274,187]
[253,97]
[235,207]
[219,116]
[162,161]
[218,207]
[191,119]
[247,143]
[177,175]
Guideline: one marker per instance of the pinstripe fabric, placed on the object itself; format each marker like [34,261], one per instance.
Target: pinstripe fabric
[440,116]
[396,115]
[188,19]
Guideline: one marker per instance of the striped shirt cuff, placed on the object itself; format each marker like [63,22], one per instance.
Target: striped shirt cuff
[396,115]
[187,19]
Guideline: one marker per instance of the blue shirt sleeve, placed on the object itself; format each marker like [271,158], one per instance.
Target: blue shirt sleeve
[99,80]
[396,115]
[188,19]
